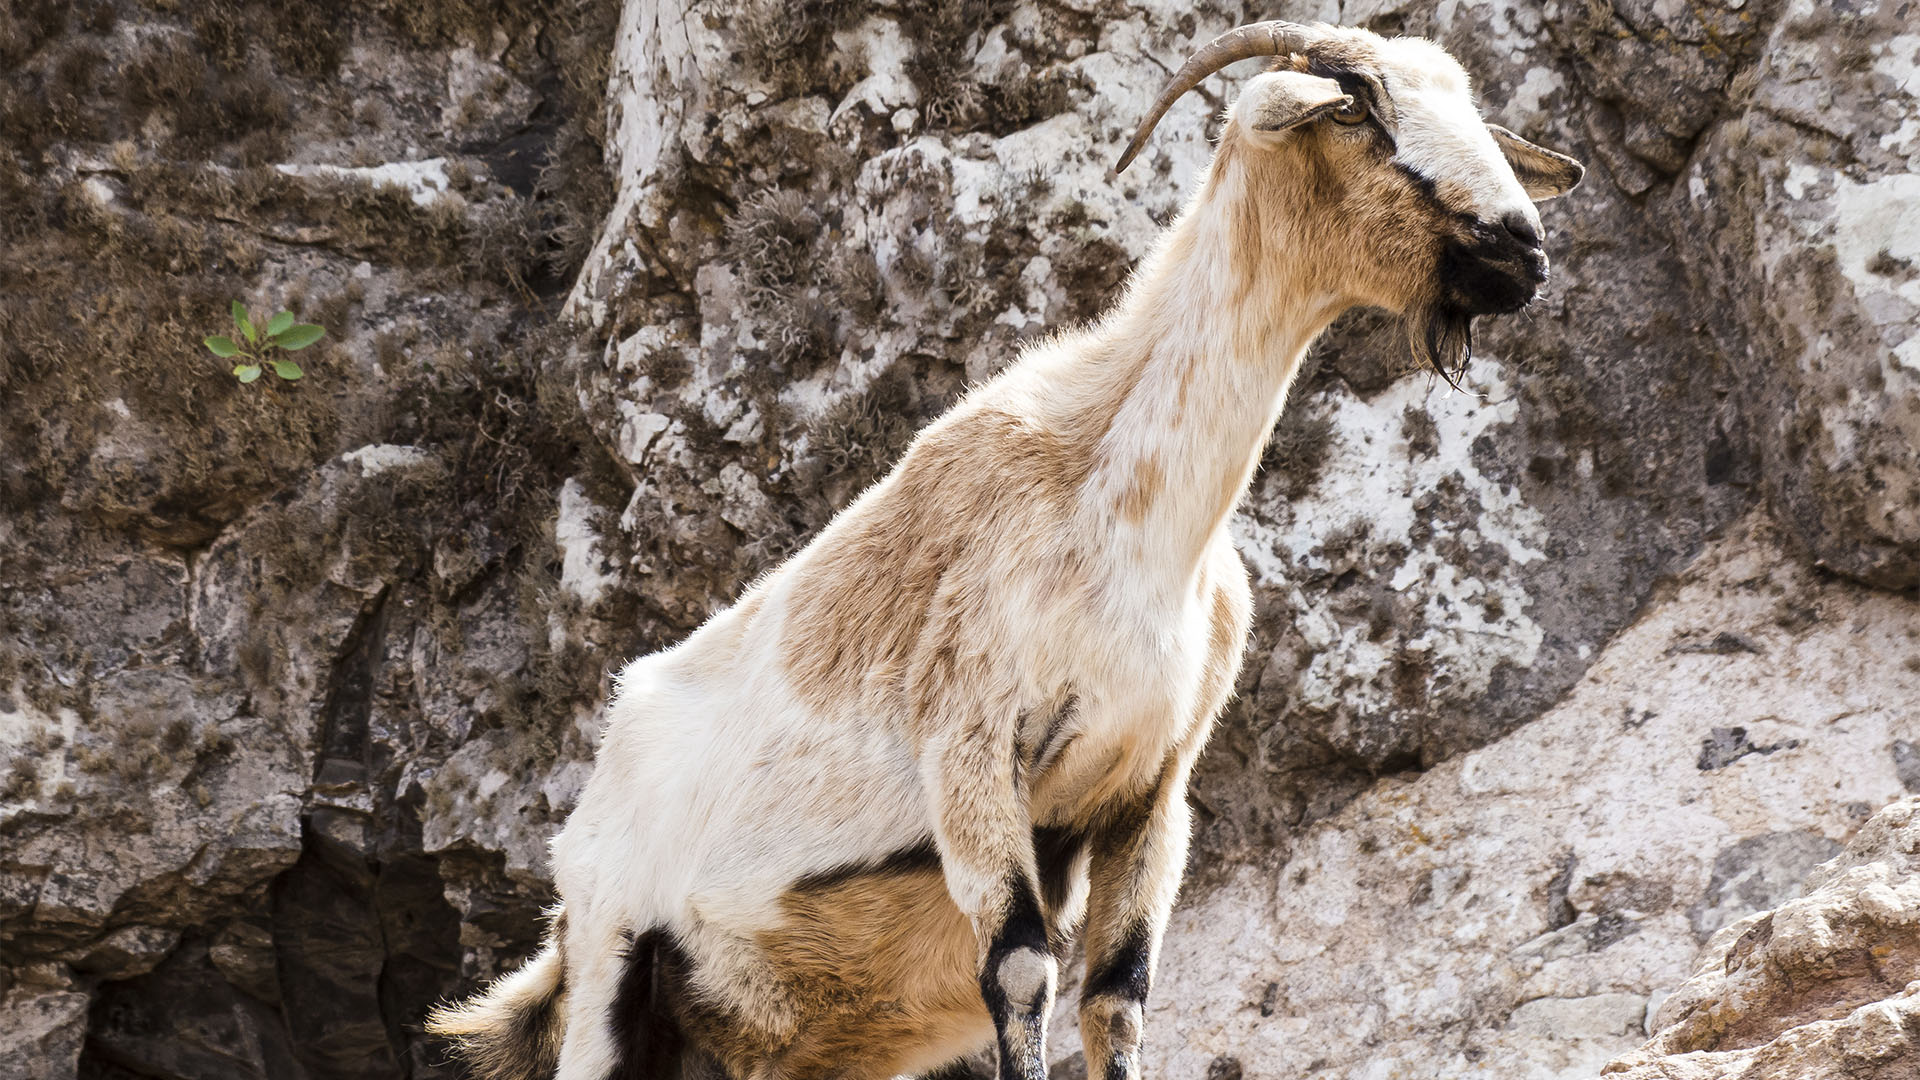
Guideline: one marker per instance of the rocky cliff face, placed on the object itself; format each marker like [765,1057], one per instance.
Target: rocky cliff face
[1825,985]
[1552,681]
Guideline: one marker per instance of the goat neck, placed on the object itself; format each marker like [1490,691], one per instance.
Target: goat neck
[1195,362]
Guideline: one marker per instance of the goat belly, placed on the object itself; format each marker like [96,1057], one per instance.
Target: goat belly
[877,966]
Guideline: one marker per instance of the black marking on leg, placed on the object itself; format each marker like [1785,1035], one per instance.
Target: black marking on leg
[646,1034]
[1057,852]
[1125,973]
[1123,1044]
[1023,928]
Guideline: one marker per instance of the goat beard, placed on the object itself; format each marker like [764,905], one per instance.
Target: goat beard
[1441,336]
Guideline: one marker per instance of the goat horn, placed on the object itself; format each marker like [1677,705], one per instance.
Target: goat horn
[1275,38]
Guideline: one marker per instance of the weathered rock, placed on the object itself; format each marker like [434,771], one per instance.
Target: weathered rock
[226,609]
[177,1022]
[1521,910]
[41,1030]
[1826,985]
[1811,230]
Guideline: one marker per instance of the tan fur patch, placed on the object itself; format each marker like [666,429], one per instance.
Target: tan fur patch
[840,646]
[1230,620]
[882,970]
[1453,193]
[1138,498]
[1332,204]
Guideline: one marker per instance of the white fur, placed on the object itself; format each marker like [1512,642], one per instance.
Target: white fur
[1440,133]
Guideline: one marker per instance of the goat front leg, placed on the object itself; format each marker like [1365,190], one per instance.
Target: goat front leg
[985,838]
[1137,860]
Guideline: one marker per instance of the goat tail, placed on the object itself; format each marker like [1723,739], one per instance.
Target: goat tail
[512,1029]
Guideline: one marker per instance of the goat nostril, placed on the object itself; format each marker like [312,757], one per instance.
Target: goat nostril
[1521,229]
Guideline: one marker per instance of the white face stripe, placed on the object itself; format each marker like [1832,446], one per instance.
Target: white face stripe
[1441,135]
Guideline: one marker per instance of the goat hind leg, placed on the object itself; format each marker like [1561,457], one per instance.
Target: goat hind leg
[597,953]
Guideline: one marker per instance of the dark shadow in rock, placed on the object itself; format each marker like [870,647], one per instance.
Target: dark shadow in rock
[182,1020]
[363,952]
[1757,873]
[1906,764]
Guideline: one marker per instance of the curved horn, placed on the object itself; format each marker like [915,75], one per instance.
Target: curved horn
[1275,38]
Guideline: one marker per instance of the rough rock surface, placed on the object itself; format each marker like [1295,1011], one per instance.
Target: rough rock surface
[1809,189]
[1826,985]
[1520,910]
[624,300]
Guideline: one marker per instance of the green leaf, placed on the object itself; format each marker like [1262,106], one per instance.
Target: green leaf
[240,320]
[279,323]
[222,346]
[299,336]
[287,369]
[247,372]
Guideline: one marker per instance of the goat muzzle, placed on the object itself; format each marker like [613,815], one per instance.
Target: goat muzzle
[1273,38]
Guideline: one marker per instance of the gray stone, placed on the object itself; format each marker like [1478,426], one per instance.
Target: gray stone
[1824,985]
[40,1031]
[1757,873]
[1520,908]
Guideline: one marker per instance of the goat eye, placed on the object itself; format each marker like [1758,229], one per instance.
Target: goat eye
[1353,112]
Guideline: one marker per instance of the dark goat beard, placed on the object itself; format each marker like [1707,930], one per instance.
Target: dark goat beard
[1441,336]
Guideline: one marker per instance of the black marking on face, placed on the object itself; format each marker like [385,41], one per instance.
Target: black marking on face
[1430,193]
[919,857]
[1127,972]
[1481,268]
[1441,336]
[1484,268]
[1361,89]
[1482,273]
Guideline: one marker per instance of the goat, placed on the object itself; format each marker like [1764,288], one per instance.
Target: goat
[846,828]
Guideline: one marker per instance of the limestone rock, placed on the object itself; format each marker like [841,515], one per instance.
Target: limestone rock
[1826,985]
[1808,193]
[41,1030]
[1523,909]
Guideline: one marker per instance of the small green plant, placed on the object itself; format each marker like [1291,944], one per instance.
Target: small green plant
[254,345]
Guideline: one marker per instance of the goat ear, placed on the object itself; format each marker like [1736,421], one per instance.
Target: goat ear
[1543,173]
[1283,100]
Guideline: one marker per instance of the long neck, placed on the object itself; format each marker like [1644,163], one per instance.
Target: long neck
[1213,329]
